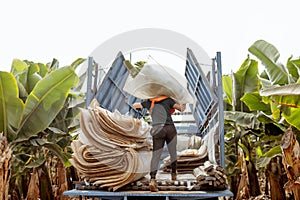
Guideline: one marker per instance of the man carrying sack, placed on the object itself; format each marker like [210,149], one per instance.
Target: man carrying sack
[163,130]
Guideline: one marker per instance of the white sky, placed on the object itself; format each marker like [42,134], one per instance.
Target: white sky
[67,29]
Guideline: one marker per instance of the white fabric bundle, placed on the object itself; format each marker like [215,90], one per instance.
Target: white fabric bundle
[157,80]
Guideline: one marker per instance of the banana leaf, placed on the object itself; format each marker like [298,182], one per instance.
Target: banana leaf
[45,101]
[32,76]
[77,62]
[275,151]
[54,65]
[43,69]
[246,120]
[18,66]
[227,87]
[293,117]
[288,97]
[254,102]
[269,55]
[26,73]
[245,80]
[268,119]
[294,67]
[290,90]
[246,76]
[11,106]
[58,151]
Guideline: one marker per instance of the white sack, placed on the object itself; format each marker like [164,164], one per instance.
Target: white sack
[156,80]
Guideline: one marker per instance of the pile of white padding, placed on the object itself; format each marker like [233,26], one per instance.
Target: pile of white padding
[112,149]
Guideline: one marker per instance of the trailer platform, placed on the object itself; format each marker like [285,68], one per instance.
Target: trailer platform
[126,195]
[144,193]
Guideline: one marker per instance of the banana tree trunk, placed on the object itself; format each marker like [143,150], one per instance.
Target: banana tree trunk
[274,176]
[290,158]
[253,179]
[62,180]
[243,191]
[33,187]
[5,162]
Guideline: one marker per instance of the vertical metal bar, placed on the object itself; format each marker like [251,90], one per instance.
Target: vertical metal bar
[94,91]
[89,81]
[214,75]
[221,110]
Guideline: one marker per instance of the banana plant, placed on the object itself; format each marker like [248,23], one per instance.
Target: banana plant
[269,55]
[249,123]
[242,125]
[281,84]
[42,103]
[277,105]
[10,105]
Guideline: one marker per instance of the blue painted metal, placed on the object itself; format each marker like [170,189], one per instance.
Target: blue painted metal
[192,195]
[221,109]
[200,88]
[89,96]
[110,92]
[208,109]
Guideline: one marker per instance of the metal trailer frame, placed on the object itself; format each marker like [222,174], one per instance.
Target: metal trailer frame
[167,195]
[216,102]
[208,109]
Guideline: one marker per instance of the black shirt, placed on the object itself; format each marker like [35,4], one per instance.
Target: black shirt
[161,111]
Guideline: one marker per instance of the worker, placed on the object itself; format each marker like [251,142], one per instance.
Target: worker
[163,130]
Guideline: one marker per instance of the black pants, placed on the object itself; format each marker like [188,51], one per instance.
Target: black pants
[160,135]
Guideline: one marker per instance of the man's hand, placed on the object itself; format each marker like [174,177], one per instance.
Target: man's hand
[137,105]
[180,108]
[183,107]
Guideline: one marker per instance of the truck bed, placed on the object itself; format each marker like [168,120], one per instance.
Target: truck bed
[191,195]
[168,190]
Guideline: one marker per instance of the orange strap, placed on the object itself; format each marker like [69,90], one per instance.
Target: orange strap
[158,99]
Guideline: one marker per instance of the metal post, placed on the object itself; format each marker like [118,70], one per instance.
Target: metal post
[214,75]
[221,110]
[89,81]
[94,91]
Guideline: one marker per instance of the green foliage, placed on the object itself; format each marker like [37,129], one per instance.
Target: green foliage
[39,111]
[292,117]
[243,81]
[134,69]
[140,63]
[275,151]
[45,101]
[26,73]
[293,67]
[268,103]
[269,56]
[243,119]
[266,157]
[227,88]
[255,103]
[281,85]
[245,123]
[246,77]
[10,105]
